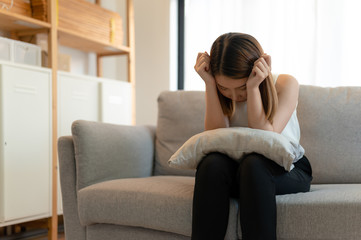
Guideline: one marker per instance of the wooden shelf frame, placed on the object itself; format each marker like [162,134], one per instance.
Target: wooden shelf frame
[53,64]
[10,22]
[19,25]
[75,40]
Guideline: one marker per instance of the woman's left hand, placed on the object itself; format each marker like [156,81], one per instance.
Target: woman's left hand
[261,70]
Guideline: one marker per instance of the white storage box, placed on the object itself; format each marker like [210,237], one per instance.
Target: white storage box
[26,53]
[6,48]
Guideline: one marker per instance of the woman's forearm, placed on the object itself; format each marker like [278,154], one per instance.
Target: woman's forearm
[214,117]
[255,112]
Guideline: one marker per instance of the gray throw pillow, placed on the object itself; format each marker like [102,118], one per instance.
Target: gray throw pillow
[237,142]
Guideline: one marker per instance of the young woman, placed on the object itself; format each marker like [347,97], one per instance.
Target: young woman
[241,91]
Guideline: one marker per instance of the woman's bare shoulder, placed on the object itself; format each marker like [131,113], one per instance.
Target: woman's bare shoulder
[286,82]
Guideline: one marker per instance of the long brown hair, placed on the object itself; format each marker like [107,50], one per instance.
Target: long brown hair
[233,55]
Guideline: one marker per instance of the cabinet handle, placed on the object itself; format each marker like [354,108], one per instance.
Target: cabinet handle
[26,89]
[80,96]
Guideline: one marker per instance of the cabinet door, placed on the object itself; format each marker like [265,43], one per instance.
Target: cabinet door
[78,99]
[26,129]
[116,99]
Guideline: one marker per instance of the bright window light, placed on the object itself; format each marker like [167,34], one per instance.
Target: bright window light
[317,41]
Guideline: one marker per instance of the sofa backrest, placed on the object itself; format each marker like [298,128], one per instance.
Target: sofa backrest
[180,116]
[330,122]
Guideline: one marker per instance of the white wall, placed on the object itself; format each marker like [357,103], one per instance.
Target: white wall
[152,56]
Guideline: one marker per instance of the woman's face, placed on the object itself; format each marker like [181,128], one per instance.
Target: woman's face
[231,88]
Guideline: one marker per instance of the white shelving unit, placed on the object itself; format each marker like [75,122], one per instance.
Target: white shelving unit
[18,25]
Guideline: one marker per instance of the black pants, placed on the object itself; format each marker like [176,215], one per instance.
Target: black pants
[256,181]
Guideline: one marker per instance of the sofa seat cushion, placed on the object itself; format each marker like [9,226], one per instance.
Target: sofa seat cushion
[161,203]
[330,211]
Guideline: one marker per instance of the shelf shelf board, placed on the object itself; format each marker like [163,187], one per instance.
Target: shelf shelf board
[16,22]
[75,40]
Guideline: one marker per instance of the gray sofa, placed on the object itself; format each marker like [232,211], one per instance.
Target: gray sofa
[116,183]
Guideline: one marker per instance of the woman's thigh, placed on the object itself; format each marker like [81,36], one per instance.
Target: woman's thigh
[297,180]
[217,168]
[257,167]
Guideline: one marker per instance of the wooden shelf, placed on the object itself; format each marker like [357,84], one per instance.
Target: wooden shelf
[16,22]
[13,22]
[75,40]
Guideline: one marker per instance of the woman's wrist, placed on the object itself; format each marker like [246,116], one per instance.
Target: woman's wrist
[210,84]
[252,89]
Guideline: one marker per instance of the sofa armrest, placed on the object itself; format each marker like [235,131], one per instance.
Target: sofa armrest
[108,151]
[67,170]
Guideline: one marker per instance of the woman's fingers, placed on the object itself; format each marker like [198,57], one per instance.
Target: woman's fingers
[268,60]
[204,55]
[258,71]
[201,65]
[265,65]
[202,58]
[262,65]
[199,55]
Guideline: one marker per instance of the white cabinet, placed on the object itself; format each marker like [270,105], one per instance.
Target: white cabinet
[93,99]
[25,142]
[26,131]
[78,98]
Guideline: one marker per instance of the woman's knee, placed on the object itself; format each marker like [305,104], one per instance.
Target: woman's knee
[216,164]
[253,165]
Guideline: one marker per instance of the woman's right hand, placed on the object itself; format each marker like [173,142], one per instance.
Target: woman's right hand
[203,69]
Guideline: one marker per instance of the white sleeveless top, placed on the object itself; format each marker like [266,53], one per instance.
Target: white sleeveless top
[291,131]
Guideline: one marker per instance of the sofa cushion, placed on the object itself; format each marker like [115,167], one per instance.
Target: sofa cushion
[164,203]
[108,151]
[330,122]
[180,116]
[161,203]
[236,142]
[330,211]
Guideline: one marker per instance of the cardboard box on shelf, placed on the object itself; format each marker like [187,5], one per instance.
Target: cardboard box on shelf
[64,61]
